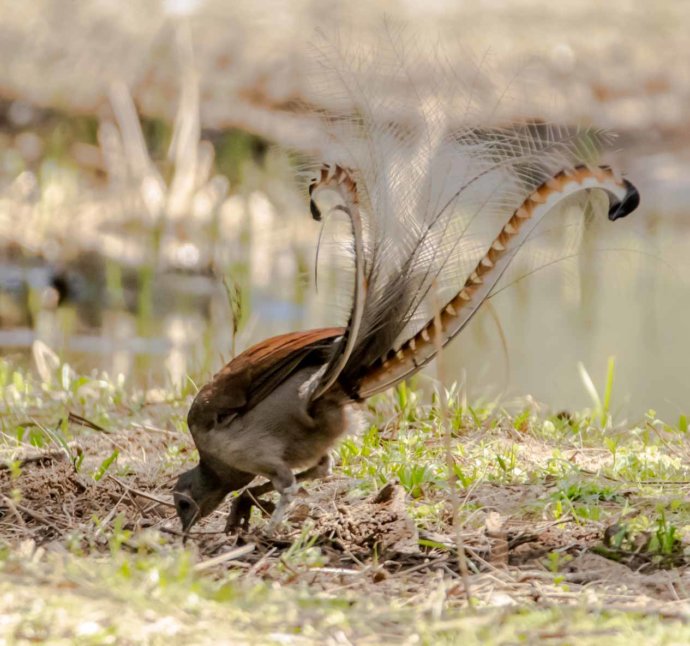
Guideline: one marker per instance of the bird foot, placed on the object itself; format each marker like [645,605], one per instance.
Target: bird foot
[286,498]
[241,511]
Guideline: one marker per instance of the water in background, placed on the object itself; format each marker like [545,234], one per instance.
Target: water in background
[626,295]
[115,236]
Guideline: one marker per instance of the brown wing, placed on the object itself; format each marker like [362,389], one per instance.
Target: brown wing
[269,352]
[254,373]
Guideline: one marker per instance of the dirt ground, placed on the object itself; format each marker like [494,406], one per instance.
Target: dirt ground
[366,543]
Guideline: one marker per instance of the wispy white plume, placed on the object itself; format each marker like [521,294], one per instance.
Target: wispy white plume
[438,173]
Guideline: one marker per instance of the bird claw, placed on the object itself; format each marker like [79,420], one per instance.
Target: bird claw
[241,511]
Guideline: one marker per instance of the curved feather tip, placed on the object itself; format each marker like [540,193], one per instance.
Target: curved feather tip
[627,205]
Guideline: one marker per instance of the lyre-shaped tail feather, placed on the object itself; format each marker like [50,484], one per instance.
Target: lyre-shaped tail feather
[340,180]
[419,349]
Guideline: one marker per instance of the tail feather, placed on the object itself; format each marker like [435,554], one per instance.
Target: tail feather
[340,180]
[428,196]
[419,349]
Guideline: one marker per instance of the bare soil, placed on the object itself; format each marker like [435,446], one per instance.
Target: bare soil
[368,543]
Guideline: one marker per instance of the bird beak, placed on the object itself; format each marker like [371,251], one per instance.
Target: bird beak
[187,526]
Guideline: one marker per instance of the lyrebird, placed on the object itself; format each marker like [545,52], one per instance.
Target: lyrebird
[415,197]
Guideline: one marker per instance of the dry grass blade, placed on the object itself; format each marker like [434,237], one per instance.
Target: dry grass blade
[450,461]
[86,423]
[234,297]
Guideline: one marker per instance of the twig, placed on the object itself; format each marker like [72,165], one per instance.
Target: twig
[288,567]
[51,455]
[36,516]
[255,568]
[13,508]
[110,515]
[231,555]
[451,571]
[336,570]
[177,532]
[152,429]
[421,566]
[143,494]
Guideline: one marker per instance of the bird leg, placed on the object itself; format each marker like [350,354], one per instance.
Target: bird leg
[287,486]
[242,505]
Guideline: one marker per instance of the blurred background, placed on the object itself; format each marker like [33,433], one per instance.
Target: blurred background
[151,224]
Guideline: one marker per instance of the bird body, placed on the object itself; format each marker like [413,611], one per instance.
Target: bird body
[418,196]
[254,418]
[285,429]
[262,415]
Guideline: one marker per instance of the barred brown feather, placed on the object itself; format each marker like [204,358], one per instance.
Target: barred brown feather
[417,351]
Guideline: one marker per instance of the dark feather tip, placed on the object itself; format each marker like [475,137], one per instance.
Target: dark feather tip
[627,205]
[315,212]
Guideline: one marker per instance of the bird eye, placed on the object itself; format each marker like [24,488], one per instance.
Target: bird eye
[224,416]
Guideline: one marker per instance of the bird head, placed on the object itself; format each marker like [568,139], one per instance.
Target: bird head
[197,493]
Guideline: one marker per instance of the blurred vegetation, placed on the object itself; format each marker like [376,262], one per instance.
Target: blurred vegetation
[138,152]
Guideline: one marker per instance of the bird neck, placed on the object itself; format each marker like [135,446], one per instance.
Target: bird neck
[215,474]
